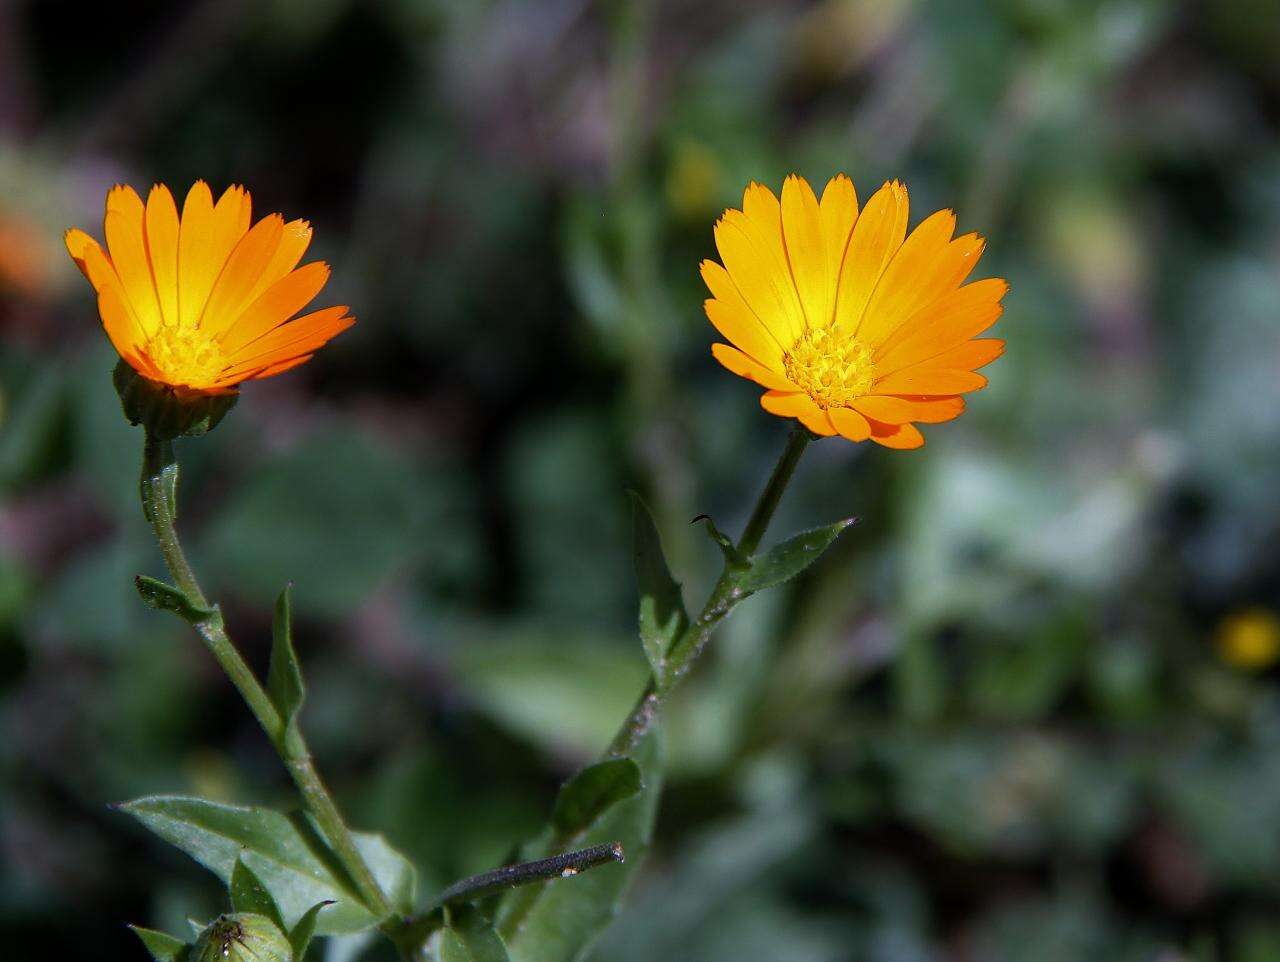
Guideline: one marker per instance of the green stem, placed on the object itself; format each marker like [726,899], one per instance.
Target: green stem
[726,594]
[159,503]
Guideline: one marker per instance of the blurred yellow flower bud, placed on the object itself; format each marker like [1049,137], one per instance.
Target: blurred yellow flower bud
[1250,639]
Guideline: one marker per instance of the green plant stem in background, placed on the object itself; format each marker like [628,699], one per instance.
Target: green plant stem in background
[726,594]
[159,503]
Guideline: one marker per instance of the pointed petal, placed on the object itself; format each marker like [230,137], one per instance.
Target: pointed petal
[744,366]
[757,339]
[876,236]
[162,250]
[276,305]
[764,280]
[241,274]
[944,324]
[129,256]
[301,336]
[806,252]
[77,243]
[913,278]
[839,209]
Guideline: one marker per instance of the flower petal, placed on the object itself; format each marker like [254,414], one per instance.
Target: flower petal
[277,304]
[124,227]
[904,437]
[806,251]
[849,423]
[839,209]
[293,244]
[205,243]
[162,249]
[764,281]
[943,325]
[78,242]
[876,236]
[931,382]
[913,278]
[740,327]
[301,336]
[742,365]
[240,275]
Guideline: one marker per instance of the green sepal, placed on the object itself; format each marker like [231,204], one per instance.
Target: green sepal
[248,894]
[662,613]
[165,597]
[162,946]
[284,675]
[784,561]
[300,936]
[591,793]
[470,937]
[242,937]
[163,411]
[732,556]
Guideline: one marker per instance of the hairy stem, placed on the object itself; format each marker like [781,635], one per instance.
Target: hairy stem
[159,502]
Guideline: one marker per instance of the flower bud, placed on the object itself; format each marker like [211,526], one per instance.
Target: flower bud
[242,937]
[165,411]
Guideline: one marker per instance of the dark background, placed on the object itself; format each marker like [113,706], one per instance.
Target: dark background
[1025,711]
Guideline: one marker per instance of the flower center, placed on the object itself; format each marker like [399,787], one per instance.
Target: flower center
[186,356]
[831,369]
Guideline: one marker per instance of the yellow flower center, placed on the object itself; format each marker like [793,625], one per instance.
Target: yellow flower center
[831,369]
[186,355]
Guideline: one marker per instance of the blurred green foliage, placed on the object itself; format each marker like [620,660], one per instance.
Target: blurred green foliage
[994,723]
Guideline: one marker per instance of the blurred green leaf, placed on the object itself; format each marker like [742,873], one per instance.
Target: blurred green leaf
[284,675]
[662,611]
[285,852]
[563,692]
[163,947]
[591,793]
[165,597]
[554,921]
[783,562]
[249,894]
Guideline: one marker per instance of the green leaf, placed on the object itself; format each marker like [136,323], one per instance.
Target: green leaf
[284,676]
[591,793]
[286,853]
[783,562]
[300,935]
[470,937]
[165,597]
[248,894]
[162,946]
[732,555]
[555,921]
[662,613]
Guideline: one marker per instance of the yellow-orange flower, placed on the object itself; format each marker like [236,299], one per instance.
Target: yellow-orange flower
[203,302]
[854,328]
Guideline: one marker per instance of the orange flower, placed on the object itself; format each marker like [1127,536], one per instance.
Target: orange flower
[853,329]
[201,303]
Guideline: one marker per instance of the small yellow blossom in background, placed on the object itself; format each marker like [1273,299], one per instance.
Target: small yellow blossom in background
[854,328]
[22,265]
[203,302]
[1250,639]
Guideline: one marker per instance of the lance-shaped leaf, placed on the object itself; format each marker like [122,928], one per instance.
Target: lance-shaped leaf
[249,894]
[555,921]
[662,613]
[165,597]
[162,946]
[285,851]
[591,793]
[284,675]
[784,561]
[732,556]
[470,937]
[300,936]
